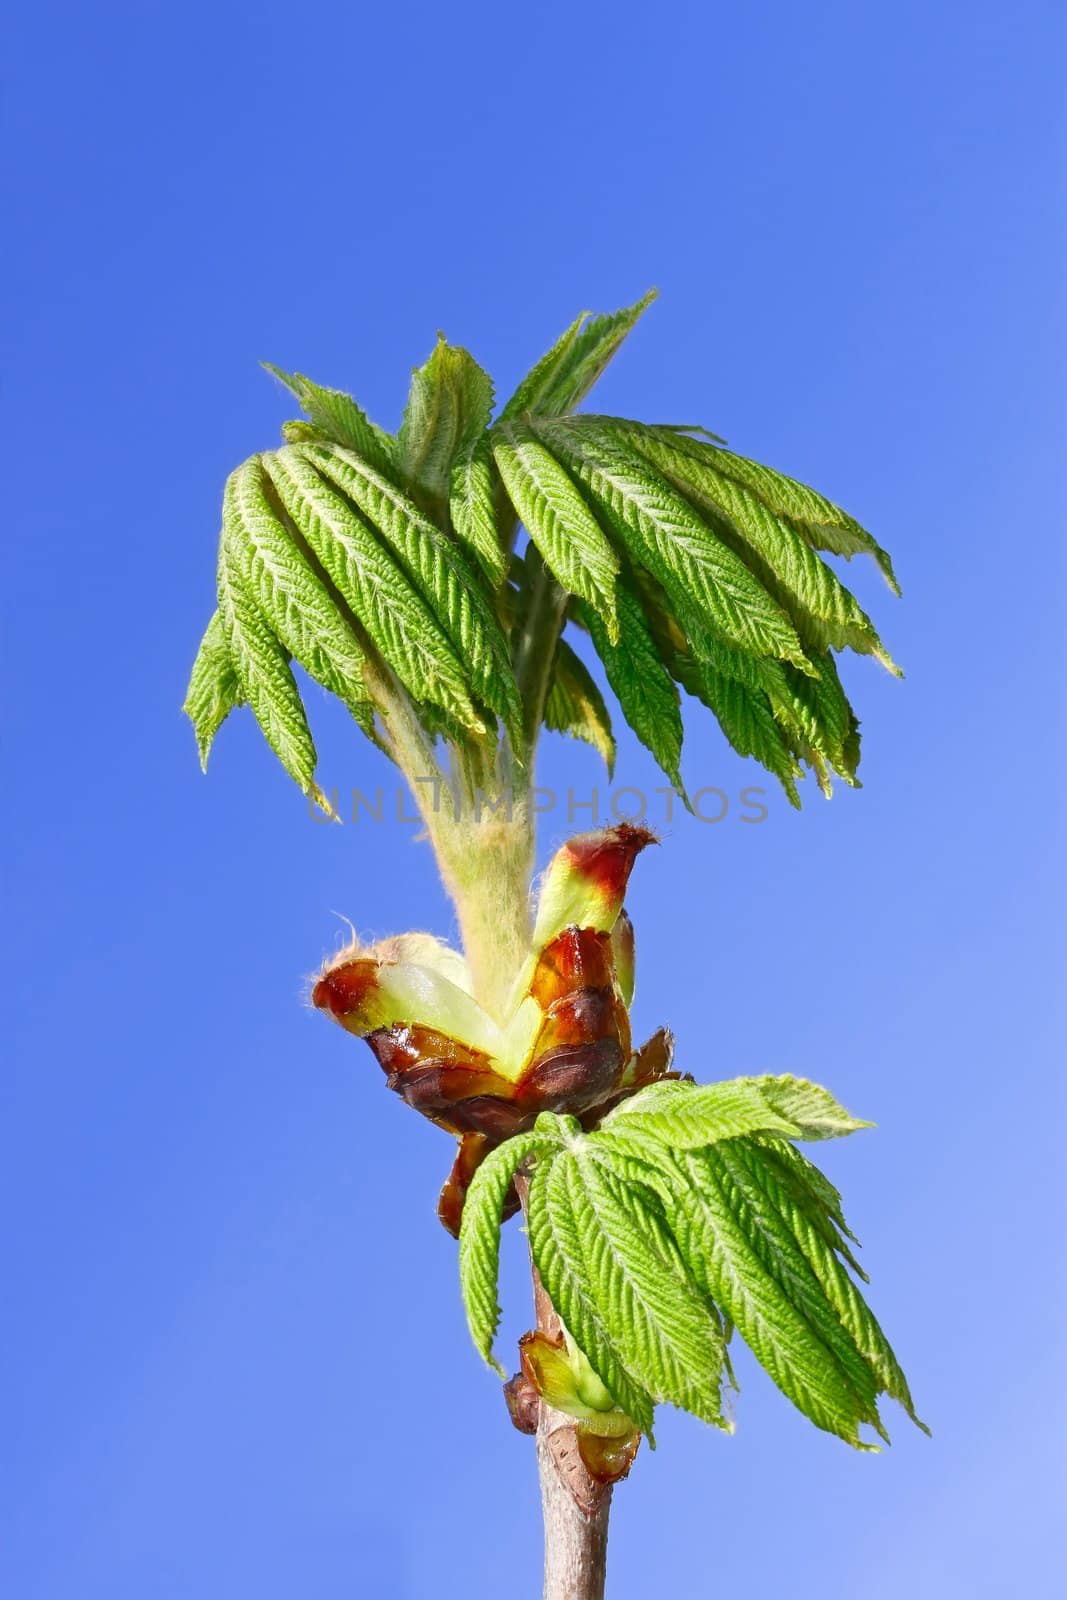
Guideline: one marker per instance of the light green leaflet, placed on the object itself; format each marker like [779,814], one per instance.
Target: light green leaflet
[824,524]
[448,411]
[214,688]
[643,686]
[687,1115]
[664,533]
[473,510]
[263,671]
[746,716]
[823,610]
[437,568]
[443,449]
[686,1213]
[563,377]
[291,596]
[571,542]
[337,416]
[378,592]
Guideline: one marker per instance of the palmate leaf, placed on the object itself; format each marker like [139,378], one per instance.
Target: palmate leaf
[575,706]
[689,565]
[686,1213]
[214,688]
[378,592]
[568,537]
[437,568]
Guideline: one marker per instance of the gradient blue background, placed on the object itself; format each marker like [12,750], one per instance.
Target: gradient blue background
[235,1354]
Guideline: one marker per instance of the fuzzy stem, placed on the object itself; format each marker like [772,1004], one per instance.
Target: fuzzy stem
[487,865]
[485,852]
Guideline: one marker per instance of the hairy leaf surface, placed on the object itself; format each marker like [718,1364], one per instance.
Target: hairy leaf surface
[291,596]
[263,671]
[560,1244]
[565,374]
[687,1116]
[394,615]
[643,686]
[337,416]
[448,411]
[824,612]
[571,542]
[214,688]
[664,533]
[438,570]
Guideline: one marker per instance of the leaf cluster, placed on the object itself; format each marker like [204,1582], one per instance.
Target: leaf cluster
[689,1213]
[384,566]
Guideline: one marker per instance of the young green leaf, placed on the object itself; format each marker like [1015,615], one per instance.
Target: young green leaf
[438,570]
[289,593]
[214,688]
[822,523]
[336,415]
[263,671]
[746,717]
[574,705]
[571,542]
[559,1243]
[823,611]
[813,1192]
[772,1232]
[472,507]
[817,714]
[777,1210]
[687,1116]
[714,1238]
[648,1304]
[664,533]
[479,1235]
[642,684]
[564,376]
[395,617]
[448,410]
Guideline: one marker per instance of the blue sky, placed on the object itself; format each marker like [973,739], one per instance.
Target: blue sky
[236,1360]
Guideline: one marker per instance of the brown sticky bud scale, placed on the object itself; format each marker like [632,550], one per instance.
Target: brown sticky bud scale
[567,1048]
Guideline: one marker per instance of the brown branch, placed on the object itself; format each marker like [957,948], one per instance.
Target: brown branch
[574,1505]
